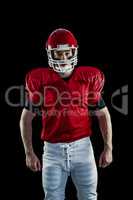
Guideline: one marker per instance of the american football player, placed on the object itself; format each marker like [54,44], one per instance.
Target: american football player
[65,94]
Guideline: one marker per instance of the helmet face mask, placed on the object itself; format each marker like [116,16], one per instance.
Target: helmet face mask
[62,40]
[62,65]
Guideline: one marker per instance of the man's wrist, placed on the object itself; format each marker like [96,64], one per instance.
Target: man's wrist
[29,152]
[108,147]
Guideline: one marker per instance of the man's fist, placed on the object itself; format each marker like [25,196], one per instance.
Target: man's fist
[106,158]
[33,162]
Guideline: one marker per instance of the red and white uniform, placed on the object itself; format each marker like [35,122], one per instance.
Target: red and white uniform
[65,114]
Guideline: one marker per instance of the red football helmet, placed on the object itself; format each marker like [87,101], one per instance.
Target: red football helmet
[61,40]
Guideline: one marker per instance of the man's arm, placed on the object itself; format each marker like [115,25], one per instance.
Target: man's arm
[26,134]
[105,124]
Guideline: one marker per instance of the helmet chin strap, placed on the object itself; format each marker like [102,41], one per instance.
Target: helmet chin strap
[65,69]
[65,75]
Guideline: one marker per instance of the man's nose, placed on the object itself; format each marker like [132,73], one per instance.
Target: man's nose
[63,56]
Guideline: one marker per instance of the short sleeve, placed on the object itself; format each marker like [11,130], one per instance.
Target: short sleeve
[33,86]
[96,85]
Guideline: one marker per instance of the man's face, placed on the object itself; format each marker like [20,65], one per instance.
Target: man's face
[63,55]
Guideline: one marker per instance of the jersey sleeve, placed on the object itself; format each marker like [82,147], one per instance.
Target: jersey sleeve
[99,105]
[34,92]
[96,85]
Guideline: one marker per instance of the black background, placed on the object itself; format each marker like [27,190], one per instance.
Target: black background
[100,45]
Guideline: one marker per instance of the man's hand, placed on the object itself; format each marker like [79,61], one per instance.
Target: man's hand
[106,158]
[33,162]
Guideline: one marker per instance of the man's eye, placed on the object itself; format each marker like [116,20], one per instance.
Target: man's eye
[69,55]
[59,54]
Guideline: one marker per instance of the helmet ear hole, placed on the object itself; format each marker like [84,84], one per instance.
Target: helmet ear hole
[52,54]
[74,51]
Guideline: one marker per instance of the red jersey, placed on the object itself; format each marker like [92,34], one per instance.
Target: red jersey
[64,103]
